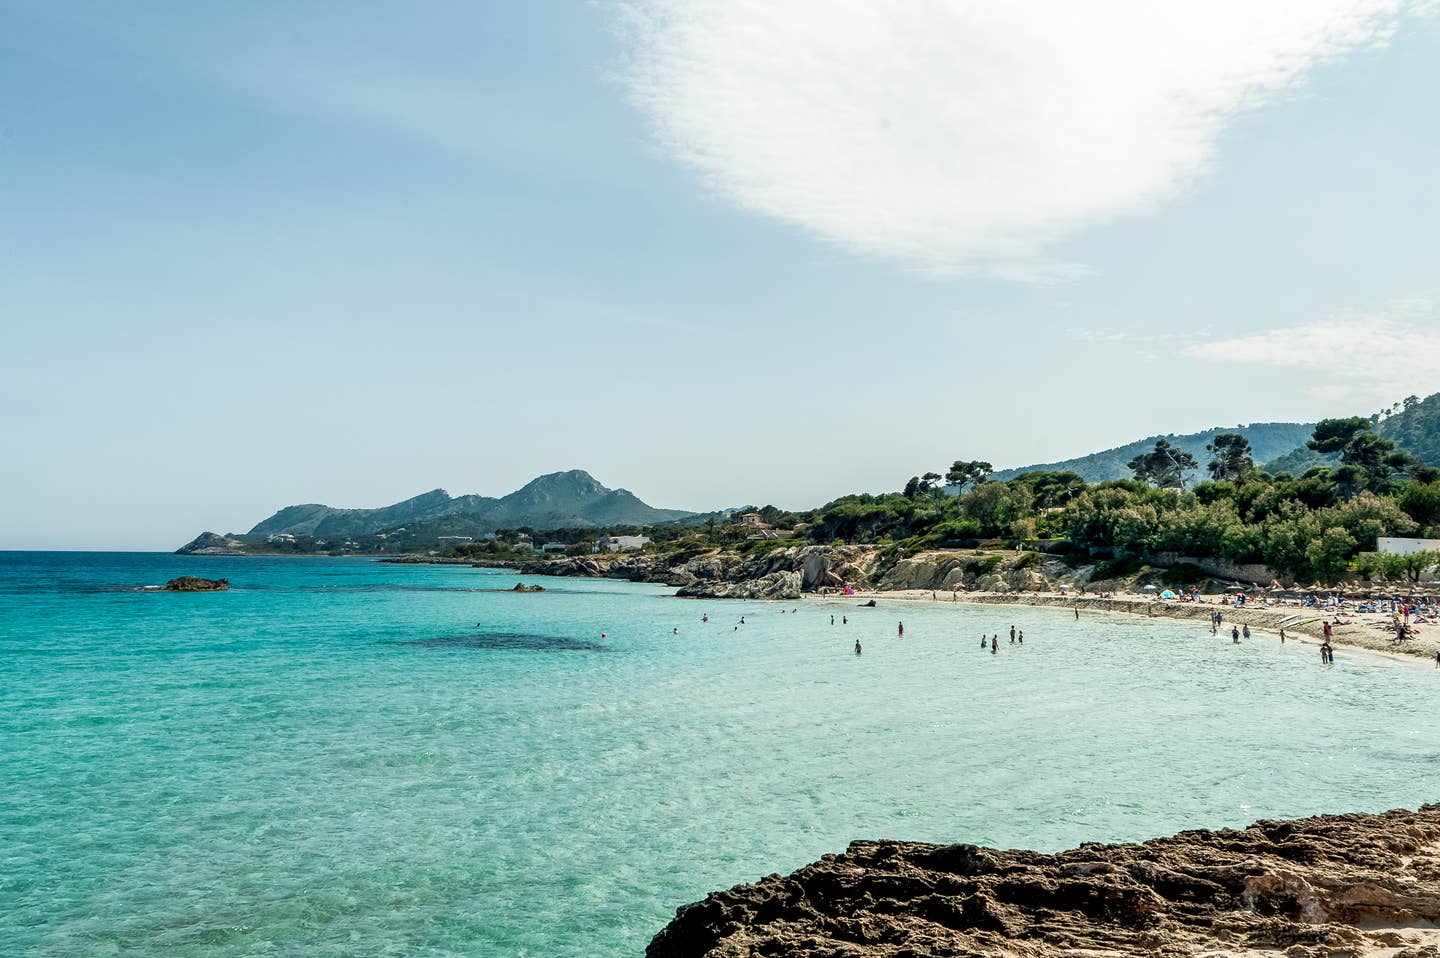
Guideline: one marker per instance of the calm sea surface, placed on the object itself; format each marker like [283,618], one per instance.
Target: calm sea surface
[343,758]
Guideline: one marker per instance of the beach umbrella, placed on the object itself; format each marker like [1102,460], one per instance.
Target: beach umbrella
[1150,588]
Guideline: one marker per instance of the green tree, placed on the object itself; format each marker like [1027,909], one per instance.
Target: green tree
[1164,466]
[964,473]
[1232,461]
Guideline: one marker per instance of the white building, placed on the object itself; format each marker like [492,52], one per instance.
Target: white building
[621,543]
[553,547]
[1404,547]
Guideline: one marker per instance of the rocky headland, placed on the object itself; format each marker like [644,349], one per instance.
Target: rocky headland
[1334,886]
[786,573]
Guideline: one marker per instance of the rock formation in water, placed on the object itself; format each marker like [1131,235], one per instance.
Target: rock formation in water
[190,583]
[1336,885]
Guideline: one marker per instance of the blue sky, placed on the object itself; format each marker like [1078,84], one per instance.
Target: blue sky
[259,254]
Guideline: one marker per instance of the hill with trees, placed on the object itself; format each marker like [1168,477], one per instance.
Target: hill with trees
[1267,440]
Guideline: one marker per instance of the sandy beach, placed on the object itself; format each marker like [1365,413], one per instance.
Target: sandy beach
[1364,630]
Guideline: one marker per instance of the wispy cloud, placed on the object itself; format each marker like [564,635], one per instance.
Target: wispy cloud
[959,136]
[1357,357]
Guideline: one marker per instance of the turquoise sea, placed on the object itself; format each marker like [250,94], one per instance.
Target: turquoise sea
[344,758]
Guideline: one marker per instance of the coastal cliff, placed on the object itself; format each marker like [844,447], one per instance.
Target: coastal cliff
[1360,886]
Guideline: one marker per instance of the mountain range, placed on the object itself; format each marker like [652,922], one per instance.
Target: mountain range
[554,501]
[575,499]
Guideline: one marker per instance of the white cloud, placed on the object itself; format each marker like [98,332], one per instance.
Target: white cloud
[964,136]
[1355,357]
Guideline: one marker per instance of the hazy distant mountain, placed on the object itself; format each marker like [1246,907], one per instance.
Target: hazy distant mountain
[1267,440]
[561,499]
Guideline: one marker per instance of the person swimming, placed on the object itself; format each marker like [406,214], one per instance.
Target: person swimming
[705,617]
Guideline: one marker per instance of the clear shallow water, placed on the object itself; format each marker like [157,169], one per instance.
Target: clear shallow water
[332,760]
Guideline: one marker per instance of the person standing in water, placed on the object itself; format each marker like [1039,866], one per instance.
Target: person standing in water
[857,646]
[1012,635]
[994,644]
[1282,635]
[1245,631]
[1022,637]
[985,642]
[832,619]
[1077,613]
[1235,634]
[902,630]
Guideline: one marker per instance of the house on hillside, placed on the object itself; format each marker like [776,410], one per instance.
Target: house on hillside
[751,522]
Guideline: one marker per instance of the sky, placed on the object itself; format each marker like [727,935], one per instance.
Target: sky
[714,251]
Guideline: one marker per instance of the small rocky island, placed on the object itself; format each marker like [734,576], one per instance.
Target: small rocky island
[190,583]
[1358,886]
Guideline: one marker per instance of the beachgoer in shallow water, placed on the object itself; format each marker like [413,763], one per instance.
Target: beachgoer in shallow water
[1437,658]
[1245,631]
[705,617]
[1282,635]
[1077,613]
[985,642]
[1022,637]
[742,620]
[1235,634]
[994,644]
[902,630]
[832,620]
[675,631]
[857,646]
[844,620]
[1012,635]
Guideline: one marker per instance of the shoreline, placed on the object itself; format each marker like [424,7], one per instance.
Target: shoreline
[1359,633]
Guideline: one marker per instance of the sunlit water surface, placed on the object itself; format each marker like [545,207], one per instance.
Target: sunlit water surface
[340,757]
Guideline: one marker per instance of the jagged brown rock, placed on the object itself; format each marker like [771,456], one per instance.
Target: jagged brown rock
[190,583]
[1360,886]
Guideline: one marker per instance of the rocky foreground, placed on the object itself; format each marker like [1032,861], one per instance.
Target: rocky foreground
[1359,886]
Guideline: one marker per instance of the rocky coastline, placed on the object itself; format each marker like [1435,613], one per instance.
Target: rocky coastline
[1355,885]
